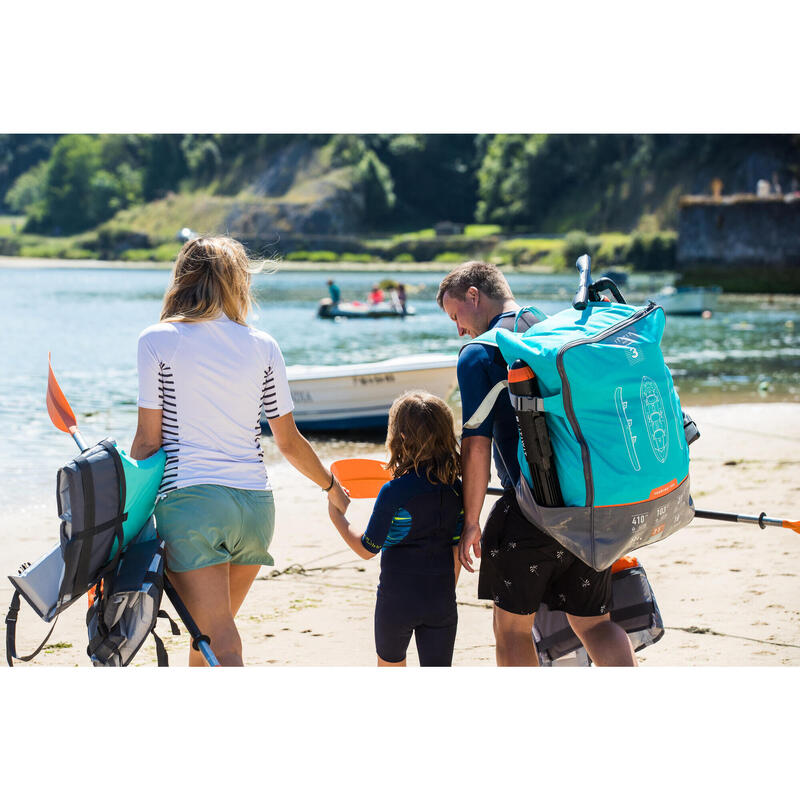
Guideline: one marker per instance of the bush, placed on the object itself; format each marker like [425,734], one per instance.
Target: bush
[652,252]
[312,255]
[137,254]
[405,258]
[360,258]
[450,258]
[576,243]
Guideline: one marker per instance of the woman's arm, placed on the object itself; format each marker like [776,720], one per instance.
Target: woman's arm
[351,536]
[148,434]
[298,452]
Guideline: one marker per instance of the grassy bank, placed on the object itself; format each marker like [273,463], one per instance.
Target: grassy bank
[149,234]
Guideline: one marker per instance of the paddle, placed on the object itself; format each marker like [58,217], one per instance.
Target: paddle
[59,409]
[63,418]
[363,477]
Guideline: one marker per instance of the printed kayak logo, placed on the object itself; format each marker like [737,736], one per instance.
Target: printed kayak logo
[655,417]
[626,423]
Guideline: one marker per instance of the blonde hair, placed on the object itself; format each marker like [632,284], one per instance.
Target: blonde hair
[421,437]
[211,276]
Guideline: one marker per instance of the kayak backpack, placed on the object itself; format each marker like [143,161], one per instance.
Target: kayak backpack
[125,607]
[603,451]
[633,608]
[104,499]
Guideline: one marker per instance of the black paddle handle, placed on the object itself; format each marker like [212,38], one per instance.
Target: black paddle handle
[581,299]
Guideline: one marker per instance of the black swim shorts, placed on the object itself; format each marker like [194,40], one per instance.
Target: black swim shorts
[521,567]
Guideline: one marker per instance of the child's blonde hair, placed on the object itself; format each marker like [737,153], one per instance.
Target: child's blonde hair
[211,277]
[421,437]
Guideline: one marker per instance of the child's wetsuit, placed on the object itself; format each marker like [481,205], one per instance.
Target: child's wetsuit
[416,523]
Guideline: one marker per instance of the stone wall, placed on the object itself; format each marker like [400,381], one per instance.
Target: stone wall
[742,243]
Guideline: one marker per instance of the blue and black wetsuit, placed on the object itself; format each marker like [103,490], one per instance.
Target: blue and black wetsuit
[416,524]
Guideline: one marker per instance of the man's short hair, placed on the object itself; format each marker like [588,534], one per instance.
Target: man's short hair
[487,278]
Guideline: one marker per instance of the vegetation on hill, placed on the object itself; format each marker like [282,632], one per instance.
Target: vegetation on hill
[115,195]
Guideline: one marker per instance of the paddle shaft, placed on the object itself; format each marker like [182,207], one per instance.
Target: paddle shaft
[200,641]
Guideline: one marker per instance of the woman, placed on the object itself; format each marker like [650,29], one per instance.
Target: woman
[204,377]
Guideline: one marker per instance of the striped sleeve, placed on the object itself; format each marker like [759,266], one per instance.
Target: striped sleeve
[276,399]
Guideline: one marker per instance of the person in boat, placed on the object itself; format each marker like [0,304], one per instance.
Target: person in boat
[334,292]
[415,524]
[375,296]
[205,376]
[401,297]
[520,565]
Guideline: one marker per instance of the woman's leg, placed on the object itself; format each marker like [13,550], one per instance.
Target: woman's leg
[206,592]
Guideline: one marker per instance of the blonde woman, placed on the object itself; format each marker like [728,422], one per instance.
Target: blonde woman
[204,377]
[416,523]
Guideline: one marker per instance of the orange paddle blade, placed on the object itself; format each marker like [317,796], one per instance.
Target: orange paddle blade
[362,477]
[57,405]
[792,526]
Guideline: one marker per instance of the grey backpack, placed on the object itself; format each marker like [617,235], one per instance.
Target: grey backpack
[126,607]
[633,607]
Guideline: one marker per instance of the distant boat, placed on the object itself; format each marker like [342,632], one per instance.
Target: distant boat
[356,396]
[688,299]
[355,310]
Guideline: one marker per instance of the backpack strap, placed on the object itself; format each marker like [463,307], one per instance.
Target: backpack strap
[525,316]
[11,634]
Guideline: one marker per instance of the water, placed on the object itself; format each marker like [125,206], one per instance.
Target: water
[90,320]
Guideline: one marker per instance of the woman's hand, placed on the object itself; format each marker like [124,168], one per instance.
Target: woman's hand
[338,497]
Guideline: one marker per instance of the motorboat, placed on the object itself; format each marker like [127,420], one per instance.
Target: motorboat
[358,396]
[688,299]
[327,309]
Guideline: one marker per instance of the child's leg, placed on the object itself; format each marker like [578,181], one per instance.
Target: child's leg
[435,644]
[392,632]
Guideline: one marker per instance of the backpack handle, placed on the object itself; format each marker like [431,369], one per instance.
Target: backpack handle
[537,312]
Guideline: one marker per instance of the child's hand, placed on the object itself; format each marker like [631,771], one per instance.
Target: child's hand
[333,512]
[338,497]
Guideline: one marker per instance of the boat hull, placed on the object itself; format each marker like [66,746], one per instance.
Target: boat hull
[328,310]
[358,396]
[689,301]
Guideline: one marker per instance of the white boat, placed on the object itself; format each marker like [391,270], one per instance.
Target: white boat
[688,299]
[351,396]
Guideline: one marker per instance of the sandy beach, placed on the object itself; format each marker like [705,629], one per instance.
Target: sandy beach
[729,593]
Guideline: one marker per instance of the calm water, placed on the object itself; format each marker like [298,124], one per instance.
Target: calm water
[90,320]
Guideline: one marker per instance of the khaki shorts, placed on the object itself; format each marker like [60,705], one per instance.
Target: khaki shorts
[207,524]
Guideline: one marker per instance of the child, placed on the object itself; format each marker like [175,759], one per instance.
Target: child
[416,522]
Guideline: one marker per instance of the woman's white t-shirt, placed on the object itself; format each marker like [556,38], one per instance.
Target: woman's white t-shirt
[211,380]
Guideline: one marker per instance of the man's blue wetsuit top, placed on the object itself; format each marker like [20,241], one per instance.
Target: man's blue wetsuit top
[335,293]
[480,367]
[416,523]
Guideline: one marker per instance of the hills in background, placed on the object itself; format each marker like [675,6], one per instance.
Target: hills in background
[126,192]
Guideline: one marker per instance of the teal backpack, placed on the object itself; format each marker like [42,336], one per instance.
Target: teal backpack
[603,452]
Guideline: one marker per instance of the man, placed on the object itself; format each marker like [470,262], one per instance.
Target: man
[334,291]
[521,565]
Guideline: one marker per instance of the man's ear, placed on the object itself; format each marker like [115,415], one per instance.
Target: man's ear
[473,293]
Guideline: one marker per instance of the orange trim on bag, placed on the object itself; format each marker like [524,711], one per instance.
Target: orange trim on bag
[626,562]
[661,491]
[520,374]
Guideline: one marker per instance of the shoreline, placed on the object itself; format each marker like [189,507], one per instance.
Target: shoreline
[20,262]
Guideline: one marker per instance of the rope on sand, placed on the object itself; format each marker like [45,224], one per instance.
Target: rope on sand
[708,631]
[299,569]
